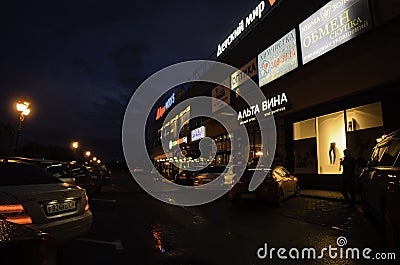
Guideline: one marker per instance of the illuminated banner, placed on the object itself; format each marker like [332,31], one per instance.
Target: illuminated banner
[278,59]
[223,93]
[245,73]
[168,104]
[276,104]
[198,133]
[334,24]
[251,18]
[179,141]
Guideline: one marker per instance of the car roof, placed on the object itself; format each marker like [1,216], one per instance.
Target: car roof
[387,138]
[31,160]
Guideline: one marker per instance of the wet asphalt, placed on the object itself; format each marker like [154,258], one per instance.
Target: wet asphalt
[131,227]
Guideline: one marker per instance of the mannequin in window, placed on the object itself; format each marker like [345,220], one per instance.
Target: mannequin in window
[332,153]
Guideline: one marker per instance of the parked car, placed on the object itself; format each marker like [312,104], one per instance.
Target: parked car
[96,176]
[106,174]
[31,196]
[208,174]
[63,171]
[187,177]
[100,175]
[24,245]
[80,175]
[278,185]
[380,187]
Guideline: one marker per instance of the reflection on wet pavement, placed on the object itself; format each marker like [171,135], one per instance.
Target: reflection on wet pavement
[156,232]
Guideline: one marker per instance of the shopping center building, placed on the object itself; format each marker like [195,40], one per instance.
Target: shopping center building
[328,70]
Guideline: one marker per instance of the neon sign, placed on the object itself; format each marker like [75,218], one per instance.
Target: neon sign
[161,110]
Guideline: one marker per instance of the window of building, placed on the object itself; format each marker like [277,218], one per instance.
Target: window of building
[304,129]
[331,141]
[364,117]
[319,142]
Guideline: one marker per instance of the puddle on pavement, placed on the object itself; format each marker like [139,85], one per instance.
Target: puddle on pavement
[159,244]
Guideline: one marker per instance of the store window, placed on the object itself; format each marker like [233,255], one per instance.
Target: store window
[364,117]
[304,129]
[305,147]
[319,142]
[331,141]
[364,126]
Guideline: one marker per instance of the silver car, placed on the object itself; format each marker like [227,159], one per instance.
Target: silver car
[30,196]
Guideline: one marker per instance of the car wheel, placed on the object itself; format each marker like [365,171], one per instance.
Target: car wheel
[280,198]
[391,235]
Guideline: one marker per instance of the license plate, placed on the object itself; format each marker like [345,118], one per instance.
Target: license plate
[248,196]
[54,208]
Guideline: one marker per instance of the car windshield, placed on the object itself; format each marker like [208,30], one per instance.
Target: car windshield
[15,174]
[57,170]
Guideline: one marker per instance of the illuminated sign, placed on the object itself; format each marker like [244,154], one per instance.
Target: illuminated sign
[249,20]
[274,103]
[198,133]
[168,104]
[222,93]
[278,59]
[334,24]
[245,73]
[179,141]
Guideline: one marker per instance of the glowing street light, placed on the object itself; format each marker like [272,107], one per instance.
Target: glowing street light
[75,145]
[24,110]
[88,153]
[259,153]
[94,159]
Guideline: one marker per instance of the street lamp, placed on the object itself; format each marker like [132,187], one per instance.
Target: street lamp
[24,110]
[88,153]
[75,145]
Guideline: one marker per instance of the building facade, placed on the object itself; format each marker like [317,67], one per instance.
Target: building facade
[328,70]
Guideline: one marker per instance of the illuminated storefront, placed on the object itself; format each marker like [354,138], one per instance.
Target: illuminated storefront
[326,70]
[326,92]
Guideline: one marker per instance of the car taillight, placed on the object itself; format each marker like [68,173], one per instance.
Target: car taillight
[14,213]
[87,204]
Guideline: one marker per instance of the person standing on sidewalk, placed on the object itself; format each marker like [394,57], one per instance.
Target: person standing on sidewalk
[348,178]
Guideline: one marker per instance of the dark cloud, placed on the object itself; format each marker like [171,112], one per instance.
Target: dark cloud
[129,62]
[82,65]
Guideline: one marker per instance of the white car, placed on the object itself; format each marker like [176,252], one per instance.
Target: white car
[30,196]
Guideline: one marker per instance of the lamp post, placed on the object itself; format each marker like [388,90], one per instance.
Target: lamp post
[75,145]
[24,110]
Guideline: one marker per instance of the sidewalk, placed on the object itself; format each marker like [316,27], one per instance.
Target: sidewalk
[325,194]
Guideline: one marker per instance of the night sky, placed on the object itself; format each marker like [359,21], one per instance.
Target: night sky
[79,62]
